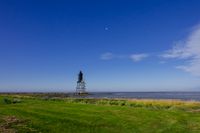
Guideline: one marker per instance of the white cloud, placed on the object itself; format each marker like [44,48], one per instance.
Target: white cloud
[188,51]
[193,67]
[138,57]
[107,56]
[162,62]
[133,57]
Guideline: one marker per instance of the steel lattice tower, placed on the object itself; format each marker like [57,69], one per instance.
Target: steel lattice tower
[80,88]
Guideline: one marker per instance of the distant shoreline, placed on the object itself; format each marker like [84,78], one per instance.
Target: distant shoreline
[185,96]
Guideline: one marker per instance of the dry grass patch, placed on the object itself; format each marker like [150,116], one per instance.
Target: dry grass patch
[10,123]
[167,103]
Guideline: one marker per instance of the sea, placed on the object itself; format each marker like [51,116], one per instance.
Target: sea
[195,96]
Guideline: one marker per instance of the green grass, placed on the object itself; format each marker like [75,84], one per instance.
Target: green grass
[67,115]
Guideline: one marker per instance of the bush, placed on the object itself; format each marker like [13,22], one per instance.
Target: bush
[123,103]
[7,101]
[113,102]
[102,101]
[16,101]
[11,101]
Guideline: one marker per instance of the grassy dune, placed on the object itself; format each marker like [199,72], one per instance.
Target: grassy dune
[23,113]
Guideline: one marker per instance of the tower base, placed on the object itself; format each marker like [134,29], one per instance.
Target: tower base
[80,88]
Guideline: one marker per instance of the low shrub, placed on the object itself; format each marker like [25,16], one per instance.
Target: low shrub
[16,101]
[7,100]
[114,102]
[102,102]
[11,101]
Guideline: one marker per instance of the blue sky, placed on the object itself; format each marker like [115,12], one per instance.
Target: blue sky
[136,45]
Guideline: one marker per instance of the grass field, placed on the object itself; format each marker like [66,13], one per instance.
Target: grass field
[24,113]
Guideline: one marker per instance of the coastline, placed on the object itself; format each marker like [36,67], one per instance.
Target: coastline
[184,96]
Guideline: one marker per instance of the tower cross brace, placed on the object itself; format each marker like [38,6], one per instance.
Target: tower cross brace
[80,88]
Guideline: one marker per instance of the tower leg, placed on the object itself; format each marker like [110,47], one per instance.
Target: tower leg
[80,89]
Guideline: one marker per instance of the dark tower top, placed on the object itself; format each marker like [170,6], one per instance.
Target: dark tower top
[80,77]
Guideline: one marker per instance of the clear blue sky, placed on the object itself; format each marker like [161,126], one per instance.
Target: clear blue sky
[119,45]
